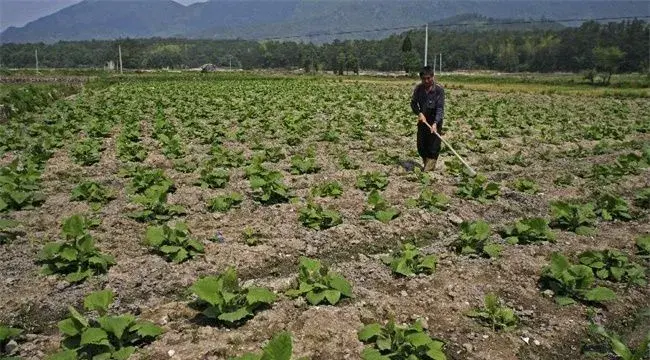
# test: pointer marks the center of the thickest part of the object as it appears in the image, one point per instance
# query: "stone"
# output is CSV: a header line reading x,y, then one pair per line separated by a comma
x,y
12,347
455,219
468,347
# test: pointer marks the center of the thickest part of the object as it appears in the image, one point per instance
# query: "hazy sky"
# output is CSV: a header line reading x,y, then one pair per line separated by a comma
x,y
20,12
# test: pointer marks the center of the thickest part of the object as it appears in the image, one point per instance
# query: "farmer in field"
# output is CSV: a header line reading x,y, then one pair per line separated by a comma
x,y
428,103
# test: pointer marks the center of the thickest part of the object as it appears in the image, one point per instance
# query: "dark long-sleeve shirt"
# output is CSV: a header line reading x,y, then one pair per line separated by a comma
x,y
431,104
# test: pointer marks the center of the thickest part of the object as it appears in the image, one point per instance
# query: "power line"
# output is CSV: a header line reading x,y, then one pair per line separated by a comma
x,y
310,35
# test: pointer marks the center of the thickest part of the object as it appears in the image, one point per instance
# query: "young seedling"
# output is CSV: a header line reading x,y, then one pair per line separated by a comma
x,y
616,346
400,342
478,188
7,230
570,282
528,231
328,189
527,186
221,298
573,217
278,348
317,284
175,244
473,240
223,203
370,181
643,246
94,193
495,315
610,207
76,257
408,261
379,209
213,178
103,337
315,217
613,265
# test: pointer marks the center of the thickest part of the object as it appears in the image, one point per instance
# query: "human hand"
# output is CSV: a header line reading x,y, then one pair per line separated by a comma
x,y
434,128
422,118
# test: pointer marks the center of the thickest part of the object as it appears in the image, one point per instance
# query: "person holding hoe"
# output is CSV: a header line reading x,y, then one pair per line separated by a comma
x,y
428,103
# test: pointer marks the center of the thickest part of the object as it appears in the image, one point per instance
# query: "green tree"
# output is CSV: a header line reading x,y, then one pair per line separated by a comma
x,y
406,45
608,60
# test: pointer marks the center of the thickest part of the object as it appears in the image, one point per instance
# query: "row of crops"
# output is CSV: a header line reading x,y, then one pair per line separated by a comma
x,y
192,171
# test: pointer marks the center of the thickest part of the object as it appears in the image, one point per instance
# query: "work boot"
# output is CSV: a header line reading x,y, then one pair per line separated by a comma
x,y
430,164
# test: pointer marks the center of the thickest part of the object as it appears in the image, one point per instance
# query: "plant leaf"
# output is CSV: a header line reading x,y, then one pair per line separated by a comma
x,y
278,348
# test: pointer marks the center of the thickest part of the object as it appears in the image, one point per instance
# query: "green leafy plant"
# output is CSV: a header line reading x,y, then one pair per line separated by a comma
x,y
184,166
19,186
105,337
474,239
432,201
223,203
155,206
623,165
518,159
642,198
385,157
76,257
477,188
86,152
213,178
617,347
454,167
573,217
347,163
303,164
7,230
94,193
379,209
528,231
613,265
274,154
643,246
400,342
224,157
370,181
408,261
495,315
251,236
175,243
269,188
571,282
278,348
330,188
144,179
527,186
610,207
171,145
317,284
128,150
315,217
221,298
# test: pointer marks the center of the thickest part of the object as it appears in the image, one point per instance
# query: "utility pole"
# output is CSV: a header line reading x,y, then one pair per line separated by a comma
x,y
119,50
440,65
36,55
426,42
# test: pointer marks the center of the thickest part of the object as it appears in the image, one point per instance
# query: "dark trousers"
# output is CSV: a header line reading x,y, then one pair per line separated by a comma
x,y
428,143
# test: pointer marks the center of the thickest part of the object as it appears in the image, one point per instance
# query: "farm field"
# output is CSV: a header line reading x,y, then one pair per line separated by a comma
x,y
157,182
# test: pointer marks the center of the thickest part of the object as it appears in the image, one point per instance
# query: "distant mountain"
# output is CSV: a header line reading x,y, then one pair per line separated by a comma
x,y
318,20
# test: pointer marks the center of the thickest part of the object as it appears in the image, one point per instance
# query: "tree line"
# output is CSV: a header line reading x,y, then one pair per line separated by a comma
x,y
610,48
